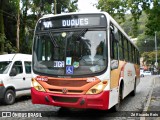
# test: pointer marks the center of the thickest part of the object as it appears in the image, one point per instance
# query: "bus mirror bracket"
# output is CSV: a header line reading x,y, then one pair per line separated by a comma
x,y
114,64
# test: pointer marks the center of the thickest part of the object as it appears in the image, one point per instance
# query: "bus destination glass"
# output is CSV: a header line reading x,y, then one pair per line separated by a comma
x,y
72,21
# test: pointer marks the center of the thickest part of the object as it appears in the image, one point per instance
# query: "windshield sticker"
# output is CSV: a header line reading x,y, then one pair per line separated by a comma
x,y
69,69
76,64
58,63
64,34
68,60
42,78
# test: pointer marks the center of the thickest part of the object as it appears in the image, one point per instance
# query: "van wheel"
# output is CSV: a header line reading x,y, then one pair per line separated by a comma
x,y
116,108
9,97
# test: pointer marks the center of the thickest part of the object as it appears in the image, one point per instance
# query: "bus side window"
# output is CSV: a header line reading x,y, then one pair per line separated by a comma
x,y
114,39
114,42
121,47
125,49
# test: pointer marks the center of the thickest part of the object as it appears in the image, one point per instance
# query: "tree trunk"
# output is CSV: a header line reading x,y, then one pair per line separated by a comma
x,y
18,24
58,7
55,7
2,34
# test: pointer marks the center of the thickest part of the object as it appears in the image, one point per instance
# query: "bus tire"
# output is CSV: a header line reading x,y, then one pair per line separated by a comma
x,y
133,93
116,107
9,97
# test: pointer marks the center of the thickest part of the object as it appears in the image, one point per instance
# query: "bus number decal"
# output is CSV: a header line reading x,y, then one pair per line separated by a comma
x,y
90,79
58,63
48,24
42,78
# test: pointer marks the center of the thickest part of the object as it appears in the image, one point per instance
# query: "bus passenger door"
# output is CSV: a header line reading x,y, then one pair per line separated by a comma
x,y
115,70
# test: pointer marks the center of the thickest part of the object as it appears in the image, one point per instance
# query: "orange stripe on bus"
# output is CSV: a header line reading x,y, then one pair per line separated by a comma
x,y
73,85
116,74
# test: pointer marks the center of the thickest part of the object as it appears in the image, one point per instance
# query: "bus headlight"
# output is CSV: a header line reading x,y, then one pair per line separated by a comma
x,y
97,88
37,86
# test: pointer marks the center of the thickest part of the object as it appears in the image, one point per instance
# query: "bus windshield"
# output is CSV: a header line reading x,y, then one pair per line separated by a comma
x,y
77,52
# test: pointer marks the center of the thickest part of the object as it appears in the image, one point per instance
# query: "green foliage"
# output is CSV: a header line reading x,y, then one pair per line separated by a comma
x,y
149,57
135,7
30,12
2,38
9,47
153,18
113,7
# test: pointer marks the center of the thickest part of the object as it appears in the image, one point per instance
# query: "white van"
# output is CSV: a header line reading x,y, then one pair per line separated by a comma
x,y
15,76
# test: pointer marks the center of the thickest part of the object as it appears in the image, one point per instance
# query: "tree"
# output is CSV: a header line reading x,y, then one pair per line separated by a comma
x,y
113,7
2,33
17,2
121,7
153,18
27,24
149,57
17,26
47,6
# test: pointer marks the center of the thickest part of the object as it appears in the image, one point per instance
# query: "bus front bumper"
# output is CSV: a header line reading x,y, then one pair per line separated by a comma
x,y
98,101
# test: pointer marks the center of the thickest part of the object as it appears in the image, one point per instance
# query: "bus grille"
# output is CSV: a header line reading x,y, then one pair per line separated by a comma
x,y
67,83
69,91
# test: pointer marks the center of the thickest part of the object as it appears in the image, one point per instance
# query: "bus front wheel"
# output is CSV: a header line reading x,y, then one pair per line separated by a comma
x,y
116,108
133,93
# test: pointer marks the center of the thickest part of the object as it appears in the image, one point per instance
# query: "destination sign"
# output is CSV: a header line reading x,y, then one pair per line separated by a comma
x,y
75,22
72,21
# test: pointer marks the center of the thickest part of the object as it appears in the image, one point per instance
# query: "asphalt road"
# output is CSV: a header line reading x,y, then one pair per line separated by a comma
x,y
24,109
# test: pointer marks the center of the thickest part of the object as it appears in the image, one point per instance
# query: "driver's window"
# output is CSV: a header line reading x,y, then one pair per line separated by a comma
x,y
18,66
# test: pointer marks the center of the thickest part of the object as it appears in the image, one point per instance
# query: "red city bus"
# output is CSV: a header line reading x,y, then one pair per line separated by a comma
x,y
83,60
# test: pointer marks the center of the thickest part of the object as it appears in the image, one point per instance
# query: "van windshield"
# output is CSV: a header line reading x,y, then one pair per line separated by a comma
x,y
4,66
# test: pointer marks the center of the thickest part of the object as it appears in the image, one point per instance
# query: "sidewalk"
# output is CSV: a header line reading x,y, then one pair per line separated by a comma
x,y
155,97
153,103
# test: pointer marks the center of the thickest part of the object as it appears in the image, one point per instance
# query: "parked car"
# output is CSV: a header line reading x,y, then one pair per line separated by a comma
x,y
15,76
145,73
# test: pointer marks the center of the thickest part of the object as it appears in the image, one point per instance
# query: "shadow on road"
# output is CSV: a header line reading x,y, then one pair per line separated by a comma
x,y
84,114
18,99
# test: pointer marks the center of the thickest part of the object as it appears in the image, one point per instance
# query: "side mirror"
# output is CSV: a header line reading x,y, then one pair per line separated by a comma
x,y
13,72
114,64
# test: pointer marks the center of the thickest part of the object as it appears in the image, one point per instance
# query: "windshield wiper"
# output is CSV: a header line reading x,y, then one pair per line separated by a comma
x,y
81,33
53,40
